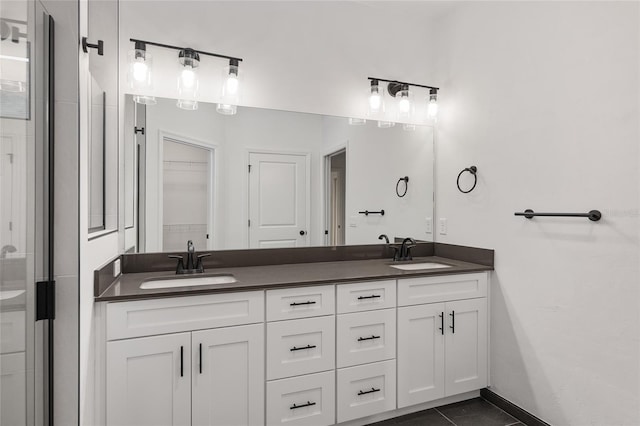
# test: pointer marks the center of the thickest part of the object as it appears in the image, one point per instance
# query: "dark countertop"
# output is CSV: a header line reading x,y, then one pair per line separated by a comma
x,y
127,286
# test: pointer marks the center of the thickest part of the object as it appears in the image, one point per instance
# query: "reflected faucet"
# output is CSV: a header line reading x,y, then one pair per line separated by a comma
x,y
6,249
384,237
194,262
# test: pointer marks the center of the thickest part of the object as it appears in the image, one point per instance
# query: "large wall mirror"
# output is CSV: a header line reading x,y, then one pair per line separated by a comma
x,y
268,179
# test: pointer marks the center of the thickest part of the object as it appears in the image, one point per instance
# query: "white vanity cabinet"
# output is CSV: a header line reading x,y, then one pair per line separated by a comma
x,y
442,347
212,376
307,355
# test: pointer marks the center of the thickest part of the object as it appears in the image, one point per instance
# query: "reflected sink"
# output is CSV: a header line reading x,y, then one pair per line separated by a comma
x,y
420,266
187,282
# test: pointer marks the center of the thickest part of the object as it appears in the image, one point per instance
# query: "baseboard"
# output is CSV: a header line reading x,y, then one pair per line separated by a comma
x,y
509,407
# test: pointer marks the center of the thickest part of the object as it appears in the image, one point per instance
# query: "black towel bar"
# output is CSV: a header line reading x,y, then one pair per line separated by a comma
x,y
593,215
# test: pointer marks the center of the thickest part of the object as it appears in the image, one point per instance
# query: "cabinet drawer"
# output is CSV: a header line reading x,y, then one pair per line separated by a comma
x,y
309,301
366,390
415,291
300,347
366,296
304,400
176,314
366,337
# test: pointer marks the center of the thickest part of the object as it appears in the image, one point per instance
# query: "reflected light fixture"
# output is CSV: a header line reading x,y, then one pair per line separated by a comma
x,y
432,105
357,121
408,127
188,79
139,74
386,124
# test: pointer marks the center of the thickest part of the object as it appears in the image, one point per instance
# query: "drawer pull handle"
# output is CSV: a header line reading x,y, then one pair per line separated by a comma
x,y
453,321
362,339
200,358
373,296
308,404
369,391
441,323
302,348
309,302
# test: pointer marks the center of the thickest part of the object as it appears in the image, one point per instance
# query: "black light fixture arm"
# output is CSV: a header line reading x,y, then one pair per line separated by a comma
x,y
201,52
404,83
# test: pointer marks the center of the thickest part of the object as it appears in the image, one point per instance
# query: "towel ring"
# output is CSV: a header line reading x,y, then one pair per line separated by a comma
x,y
406,186
473,170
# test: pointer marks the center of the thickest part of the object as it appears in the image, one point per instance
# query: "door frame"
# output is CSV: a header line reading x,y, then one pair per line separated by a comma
x,y
326,187
213,182
247,185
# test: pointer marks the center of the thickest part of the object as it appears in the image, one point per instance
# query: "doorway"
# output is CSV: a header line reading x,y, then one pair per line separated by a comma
x,y
335,197
187,194
279,200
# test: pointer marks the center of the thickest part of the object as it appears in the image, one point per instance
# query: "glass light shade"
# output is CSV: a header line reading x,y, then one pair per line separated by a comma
x,y
230,91
188,88
432,108
188,104
409,127
405,104
386,124
227,109
146,100
357,121
375,100
139,73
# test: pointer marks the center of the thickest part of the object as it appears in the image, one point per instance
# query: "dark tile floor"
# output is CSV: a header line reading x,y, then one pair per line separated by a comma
x,y
474,412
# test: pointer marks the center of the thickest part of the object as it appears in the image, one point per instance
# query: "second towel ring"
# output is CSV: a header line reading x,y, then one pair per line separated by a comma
x,y
473,170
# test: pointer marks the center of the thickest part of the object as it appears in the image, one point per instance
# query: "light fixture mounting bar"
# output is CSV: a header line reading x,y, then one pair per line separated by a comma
x,y
403,82
201,52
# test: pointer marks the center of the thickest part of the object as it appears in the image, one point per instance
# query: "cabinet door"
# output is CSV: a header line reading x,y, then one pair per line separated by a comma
x,y
466,345
228,376
421,336
149,381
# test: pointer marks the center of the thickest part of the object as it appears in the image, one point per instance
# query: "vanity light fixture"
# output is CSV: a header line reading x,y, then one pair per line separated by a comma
x,y
405,105
188,84
139,74
188,79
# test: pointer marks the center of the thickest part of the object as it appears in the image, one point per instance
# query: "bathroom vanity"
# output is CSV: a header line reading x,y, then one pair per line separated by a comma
x,y
317,343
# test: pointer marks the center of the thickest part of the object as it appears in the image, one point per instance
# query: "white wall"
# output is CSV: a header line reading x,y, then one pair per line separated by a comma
x,y
543,98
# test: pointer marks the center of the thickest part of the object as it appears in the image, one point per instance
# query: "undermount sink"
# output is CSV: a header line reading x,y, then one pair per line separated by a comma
x,y
187,282
420,266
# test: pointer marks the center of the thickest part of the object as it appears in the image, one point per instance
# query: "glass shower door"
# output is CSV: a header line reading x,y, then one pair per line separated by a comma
x,y
24,145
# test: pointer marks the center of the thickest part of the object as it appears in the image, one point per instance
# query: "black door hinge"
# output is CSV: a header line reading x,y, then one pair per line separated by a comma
x,y
45,300
137,130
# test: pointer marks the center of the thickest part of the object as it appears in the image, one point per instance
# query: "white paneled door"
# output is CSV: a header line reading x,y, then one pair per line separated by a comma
x,y
278,200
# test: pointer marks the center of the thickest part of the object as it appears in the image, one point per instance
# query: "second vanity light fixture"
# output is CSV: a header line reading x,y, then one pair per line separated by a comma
x,y
140,78
405,104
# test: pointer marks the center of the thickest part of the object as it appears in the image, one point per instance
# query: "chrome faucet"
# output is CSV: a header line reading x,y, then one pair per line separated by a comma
x,y
194,262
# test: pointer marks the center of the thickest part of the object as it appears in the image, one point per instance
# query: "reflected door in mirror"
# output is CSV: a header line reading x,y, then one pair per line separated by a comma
x,y
279,197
